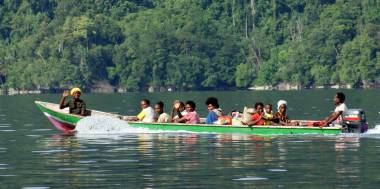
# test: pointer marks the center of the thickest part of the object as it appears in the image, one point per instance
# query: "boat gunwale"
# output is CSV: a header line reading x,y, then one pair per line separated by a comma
x,y
53,107
237,126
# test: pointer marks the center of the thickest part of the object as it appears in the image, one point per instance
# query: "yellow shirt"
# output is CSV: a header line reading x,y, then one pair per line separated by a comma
x,y
146,115
268,119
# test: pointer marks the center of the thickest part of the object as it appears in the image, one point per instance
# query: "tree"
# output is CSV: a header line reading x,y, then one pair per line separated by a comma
x,y
136,44
244,75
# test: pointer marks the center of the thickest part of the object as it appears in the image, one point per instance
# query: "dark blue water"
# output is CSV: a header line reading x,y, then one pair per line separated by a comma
x,y
34,155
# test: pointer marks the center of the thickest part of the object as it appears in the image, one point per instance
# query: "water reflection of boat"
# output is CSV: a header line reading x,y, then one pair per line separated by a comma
x,y
66,122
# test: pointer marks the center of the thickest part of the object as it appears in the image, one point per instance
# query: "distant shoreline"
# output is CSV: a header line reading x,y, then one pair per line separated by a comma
x,y
12,92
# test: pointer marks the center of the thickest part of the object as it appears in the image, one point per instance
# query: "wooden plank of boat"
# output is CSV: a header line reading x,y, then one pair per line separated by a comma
x,y
66,122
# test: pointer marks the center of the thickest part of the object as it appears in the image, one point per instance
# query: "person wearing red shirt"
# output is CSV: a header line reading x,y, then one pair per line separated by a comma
x,y
257,118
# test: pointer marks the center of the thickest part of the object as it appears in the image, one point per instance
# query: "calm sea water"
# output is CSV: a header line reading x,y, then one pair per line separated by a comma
x,y
34,155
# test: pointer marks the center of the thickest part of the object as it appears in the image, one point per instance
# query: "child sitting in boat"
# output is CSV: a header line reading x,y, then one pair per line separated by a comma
x,y
257,117
161,116
76,105
214,112
191,116
268,114
146,115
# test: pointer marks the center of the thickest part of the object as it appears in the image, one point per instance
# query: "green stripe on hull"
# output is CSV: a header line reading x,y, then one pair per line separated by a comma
x,y
60,116
257,130
232,129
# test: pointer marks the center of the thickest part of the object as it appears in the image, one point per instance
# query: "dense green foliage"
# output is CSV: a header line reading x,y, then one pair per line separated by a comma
x,y
203,44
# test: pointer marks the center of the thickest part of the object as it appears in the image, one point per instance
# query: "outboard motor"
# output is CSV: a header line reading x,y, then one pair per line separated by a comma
x,y
354,121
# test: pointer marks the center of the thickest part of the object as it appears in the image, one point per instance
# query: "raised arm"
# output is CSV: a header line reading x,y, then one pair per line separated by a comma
x,y
62,103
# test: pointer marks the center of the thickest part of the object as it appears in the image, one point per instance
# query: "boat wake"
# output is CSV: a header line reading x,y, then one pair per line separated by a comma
x,y
375,130
106,125
372,133
92,125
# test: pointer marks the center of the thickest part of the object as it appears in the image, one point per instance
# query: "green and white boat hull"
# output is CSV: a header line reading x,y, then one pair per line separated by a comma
x,y
66,122
257,130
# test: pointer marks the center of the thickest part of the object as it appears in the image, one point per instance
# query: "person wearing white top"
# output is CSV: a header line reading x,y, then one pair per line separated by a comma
x,y
161,116
340,107
147,113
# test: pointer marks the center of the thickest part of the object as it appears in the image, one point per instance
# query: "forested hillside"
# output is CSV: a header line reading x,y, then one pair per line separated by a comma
x,y
188,44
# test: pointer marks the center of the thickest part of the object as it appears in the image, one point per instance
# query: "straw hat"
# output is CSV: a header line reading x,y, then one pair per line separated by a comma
x,y
75,90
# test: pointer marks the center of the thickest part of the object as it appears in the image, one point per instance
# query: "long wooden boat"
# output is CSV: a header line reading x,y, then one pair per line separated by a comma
x,y
66,122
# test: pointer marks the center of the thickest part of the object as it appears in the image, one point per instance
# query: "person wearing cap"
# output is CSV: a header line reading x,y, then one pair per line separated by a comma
x,y
76,105
281,117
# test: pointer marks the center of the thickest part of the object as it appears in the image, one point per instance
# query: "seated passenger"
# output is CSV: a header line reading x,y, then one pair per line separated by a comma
x,y
76,105
191,116
280,117
213,109
147,113
161,116
268,115
178,110
257,117
340,107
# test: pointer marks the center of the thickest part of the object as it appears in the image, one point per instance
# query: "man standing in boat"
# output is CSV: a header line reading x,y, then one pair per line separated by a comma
x,y
76,105
340,107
